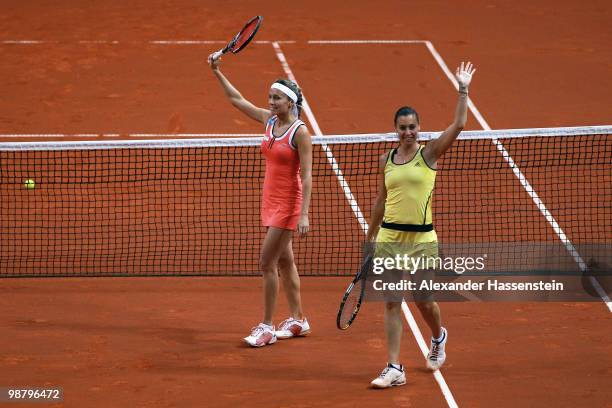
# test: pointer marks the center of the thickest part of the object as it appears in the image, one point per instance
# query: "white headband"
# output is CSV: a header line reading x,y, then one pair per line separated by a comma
x,y
286,90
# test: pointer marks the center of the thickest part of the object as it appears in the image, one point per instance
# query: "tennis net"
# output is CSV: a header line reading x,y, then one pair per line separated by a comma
x,y
191,207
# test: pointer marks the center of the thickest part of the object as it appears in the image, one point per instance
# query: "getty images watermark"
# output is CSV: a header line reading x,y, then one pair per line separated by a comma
x,y
489,271
412,264
457,265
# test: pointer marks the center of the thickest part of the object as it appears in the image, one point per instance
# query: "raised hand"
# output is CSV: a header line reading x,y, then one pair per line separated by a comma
x,y
464,74
214,63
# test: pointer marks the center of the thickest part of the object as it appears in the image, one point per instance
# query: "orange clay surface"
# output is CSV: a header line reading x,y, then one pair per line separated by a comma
x,y
176,342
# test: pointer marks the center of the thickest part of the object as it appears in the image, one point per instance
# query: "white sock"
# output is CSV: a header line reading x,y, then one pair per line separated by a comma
x,y
441,338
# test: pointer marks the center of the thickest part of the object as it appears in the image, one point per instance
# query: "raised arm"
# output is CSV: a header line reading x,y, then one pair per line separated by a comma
x,y
378,211
304,145
437,147
235,97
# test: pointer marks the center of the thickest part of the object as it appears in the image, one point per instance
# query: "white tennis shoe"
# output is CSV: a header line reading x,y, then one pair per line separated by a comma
x,y
261,335
292,328
390,377
437,352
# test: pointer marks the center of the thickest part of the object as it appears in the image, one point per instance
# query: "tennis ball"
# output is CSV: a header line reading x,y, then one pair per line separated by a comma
x,y
29,184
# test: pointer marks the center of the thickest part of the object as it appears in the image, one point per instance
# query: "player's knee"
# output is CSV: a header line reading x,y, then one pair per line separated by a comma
x,y
266,265
425,306
393,306
285,263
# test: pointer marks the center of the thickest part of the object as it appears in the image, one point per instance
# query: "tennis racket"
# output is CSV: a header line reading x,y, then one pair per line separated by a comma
x,y
351,301
240,40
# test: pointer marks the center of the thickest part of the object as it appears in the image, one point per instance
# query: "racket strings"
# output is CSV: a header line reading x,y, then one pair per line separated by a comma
x,y
351,304
246,34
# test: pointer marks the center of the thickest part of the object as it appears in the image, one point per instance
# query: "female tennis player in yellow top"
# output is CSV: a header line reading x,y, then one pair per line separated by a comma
x,y
402,215
287,148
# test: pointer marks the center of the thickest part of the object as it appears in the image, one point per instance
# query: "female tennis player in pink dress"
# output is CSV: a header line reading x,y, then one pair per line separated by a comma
x,y
287,148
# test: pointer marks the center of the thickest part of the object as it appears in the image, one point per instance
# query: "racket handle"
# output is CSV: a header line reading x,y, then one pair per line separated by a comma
x,y
216,55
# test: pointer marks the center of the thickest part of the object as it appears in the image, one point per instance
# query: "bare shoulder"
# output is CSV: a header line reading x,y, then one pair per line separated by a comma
x,y
302,136
266,115
382,160
302,131
428,154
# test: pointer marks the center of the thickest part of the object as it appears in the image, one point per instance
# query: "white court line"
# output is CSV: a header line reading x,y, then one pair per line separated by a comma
x,y
26,42
524,182
328,153
277,42
186,42
98,42
136,135
425,350
418,335
196,42
366,42
159,42
359,215
451,78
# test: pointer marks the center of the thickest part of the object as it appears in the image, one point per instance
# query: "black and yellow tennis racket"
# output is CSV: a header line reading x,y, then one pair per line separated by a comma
x,y
351,301
240,40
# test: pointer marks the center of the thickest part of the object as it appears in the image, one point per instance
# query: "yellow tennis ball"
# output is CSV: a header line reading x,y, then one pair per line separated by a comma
x,y
29,184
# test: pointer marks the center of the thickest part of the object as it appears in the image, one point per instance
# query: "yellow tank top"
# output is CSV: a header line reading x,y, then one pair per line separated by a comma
x,y
409,190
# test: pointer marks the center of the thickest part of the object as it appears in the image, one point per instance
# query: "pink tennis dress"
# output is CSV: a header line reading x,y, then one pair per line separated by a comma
x,y
282,189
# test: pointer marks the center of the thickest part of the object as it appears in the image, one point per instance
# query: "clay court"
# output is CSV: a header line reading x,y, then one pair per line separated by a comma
x,y
132,71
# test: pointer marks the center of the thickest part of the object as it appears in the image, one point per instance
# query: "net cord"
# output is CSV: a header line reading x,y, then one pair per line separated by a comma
x,y
317,140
